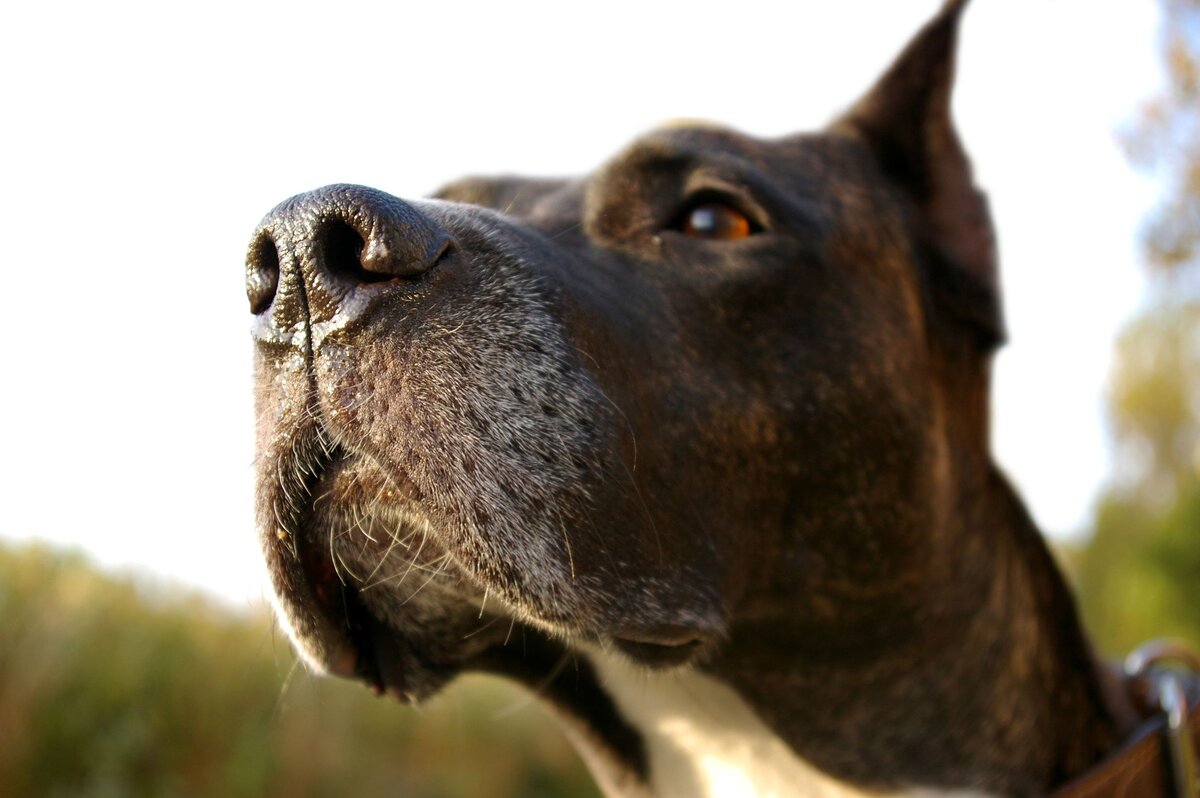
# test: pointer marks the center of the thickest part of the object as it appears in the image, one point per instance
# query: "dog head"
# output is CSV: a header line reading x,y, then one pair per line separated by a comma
x,y
720,394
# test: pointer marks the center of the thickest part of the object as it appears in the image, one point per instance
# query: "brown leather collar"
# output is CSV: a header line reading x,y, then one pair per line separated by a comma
x,y
1139,769
1159,760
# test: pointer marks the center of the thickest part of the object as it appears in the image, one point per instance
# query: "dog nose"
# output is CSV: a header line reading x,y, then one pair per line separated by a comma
x,y
322,245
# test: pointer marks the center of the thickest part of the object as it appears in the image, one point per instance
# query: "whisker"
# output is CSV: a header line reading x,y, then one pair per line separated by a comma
x,y
511,625
437,572
488,625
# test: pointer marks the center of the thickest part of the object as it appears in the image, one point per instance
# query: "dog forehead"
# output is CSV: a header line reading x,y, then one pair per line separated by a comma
x,y
683,144
816,167
821,166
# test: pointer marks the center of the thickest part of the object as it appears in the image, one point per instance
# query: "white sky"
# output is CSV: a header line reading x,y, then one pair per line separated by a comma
x,y
142,142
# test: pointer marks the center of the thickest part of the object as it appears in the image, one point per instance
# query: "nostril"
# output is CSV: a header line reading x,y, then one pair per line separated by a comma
x,y
262,273
318,247
343,254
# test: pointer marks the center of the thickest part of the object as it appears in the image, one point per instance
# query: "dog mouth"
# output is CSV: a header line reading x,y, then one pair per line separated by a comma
x,y
369,590
361,582
373,655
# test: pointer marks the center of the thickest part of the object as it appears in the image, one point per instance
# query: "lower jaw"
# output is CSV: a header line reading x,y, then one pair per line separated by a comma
x,y
411,665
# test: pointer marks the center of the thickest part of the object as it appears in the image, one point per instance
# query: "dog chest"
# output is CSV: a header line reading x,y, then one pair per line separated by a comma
x,y
704,741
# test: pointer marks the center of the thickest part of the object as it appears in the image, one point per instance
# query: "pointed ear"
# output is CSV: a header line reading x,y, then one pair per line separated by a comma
x,y
905,120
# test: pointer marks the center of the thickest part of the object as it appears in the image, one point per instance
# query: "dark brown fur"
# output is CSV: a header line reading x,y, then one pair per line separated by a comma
x,y
486,433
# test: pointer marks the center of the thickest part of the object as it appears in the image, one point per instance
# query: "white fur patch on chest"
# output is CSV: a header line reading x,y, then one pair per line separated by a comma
x,y
704,741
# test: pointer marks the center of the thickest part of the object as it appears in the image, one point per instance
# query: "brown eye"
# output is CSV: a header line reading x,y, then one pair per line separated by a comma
x,y
716,220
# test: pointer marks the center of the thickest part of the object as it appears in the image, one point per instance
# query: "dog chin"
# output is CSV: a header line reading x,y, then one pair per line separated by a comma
x,y
369,589
363,585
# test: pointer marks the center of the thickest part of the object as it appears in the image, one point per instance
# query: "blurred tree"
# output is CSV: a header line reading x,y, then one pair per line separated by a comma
x,y
112,687
1140,573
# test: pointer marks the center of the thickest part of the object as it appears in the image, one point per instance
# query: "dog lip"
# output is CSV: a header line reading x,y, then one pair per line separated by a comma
x,y
658,655
380,662
374,657
335,599
658,647
356,642
370,652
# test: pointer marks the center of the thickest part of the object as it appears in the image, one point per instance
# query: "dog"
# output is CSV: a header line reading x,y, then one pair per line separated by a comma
x,y
695,446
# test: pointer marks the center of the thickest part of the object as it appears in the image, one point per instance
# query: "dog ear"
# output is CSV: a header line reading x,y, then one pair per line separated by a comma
x,y
905,120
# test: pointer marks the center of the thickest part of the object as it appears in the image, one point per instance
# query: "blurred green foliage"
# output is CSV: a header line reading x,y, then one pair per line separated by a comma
x,y
111,687
1139,574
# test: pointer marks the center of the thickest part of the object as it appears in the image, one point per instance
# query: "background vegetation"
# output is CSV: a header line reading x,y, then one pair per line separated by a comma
x,y
1139,574
110,687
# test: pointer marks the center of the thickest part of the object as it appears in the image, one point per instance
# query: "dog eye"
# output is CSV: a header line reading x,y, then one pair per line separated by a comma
x,y
716,221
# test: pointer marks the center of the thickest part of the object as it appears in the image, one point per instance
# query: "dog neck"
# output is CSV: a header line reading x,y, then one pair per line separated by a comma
x,y
992,689
703,741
